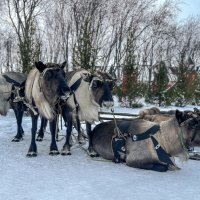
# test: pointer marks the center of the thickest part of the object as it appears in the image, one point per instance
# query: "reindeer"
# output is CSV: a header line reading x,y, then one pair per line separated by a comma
x,y
144,144
93,92
90,91
11,96
45,88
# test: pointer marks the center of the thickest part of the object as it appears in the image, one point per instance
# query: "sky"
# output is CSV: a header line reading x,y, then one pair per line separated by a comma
x,y
189,8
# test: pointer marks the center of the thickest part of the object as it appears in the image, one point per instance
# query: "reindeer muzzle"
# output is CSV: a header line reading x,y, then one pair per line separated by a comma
x,y
108,104
65,96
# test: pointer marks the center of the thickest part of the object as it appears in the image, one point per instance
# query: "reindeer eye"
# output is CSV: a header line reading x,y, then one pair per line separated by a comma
x,y
111,84
49,74
97,83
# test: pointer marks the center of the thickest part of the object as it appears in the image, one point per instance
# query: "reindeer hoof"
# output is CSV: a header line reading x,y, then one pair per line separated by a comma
x,y
92,153
81,140
66,153
54,153
39,139
15,139
31,154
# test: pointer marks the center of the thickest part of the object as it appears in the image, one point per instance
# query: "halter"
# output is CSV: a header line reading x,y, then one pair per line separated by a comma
x,y
95,79
98,78
46,69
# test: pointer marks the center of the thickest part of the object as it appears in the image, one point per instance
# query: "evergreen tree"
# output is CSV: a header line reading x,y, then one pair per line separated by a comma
x,y
187,83
160,82
130,86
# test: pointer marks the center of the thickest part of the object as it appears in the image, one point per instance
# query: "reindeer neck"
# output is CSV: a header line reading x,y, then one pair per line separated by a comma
x,y
170,139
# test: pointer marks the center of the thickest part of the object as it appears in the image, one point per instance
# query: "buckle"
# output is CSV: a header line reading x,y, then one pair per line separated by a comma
x,y
134,137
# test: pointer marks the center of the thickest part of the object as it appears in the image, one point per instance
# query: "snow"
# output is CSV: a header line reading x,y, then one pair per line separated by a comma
x,y
80,177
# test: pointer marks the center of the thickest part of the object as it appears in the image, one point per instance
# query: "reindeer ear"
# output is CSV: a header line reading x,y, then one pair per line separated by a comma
x,y
40,66
63,64
179,116
196,110
86,77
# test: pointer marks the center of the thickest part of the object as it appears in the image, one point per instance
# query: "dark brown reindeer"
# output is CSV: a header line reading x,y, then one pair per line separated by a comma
x,y
11,96
45,87
144,144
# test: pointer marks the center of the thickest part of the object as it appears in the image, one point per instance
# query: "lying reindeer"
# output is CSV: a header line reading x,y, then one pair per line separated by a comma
x,y
144,144
159,116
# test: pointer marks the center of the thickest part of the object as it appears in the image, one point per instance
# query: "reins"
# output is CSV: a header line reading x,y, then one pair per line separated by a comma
x,y
117,131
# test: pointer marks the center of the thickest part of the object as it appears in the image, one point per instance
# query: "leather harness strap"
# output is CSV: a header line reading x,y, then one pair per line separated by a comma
x,y
118,145
75,85
17,90
161,153
10,80
147,134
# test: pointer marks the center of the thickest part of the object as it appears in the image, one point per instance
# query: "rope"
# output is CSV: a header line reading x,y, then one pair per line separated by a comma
x,y
116,130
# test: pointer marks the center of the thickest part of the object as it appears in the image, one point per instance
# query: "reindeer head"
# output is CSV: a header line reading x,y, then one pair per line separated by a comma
x,y
52,81
101,85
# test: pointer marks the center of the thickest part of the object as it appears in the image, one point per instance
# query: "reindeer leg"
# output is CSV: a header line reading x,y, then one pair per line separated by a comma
x,y
42,129
81,139
67,116
159,167
32,152
90,150
18,110
53,147
155,167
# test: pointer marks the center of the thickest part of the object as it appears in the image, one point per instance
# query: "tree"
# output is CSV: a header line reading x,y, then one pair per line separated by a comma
x,y
160,82
23,14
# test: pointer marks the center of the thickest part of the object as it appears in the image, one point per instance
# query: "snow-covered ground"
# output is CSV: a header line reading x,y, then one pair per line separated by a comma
x,y
78,177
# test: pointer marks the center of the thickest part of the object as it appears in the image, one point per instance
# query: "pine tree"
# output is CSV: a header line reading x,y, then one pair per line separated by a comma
x,y
160,82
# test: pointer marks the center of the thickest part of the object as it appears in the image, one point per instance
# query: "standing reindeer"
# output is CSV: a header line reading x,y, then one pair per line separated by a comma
x,y
45,88
90,91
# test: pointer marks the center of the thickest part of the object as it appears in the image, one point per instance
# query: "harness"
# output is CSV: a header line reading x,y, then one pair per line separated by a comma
x,y
73,88
118,144
163,156
17,89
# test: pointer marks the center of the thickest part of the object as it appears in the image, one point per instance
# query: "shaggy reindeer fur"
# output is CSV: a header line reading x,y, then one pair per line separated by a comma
x,y
149,111
157,118
34,94
141,154
88,107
